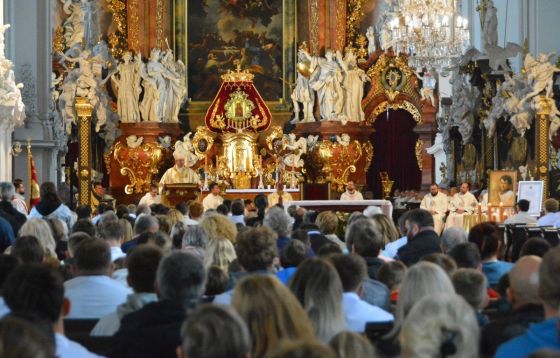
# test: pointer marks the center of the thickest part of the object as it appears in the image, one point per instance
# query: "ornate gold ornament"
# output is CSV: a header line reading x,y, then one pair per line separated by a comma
x,y
160,37
241,156
418,149
139,164
362,53
407,106
59,43
469,156
238,108
353,19
203,140
118,39
84,110
368,149
543,113
340,24
275,135
386,184
133,12
314,26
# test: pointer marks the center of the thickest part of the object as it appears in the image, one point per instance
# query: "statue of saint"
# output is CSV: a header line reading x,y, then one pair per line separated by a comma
x,y
128,88
327,81
303,93
490,26
354,79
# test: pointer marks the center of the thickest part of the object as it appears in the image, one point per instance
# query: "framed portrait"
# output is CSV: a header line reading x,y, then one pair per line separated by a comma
x,y
532,191
501,188
213,36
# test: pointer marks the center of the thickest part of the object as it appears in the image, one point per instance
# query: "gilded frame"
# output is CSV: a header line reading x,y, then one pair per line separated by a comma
x,y
289,31
500,189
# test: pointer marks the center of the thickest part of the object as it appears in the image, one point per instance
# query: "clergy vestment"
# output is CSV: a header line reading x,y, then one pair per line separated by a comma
x,y
355,196
212,201
437,204
176,175
467,202
148,199
274,199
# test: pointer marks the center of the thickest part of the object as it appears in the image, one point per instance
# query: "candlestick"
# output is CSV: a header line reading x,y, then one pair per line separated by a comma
x,y
479,213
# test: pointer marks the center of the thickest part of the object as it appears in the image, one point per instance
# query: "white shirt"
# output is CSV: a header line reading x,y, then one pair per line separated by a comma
x,y
437,203
392,248
357,313
521,217
347,196
148,199
549,219
237,219
212,201
190,222
94,296
19,203
116,253
66,348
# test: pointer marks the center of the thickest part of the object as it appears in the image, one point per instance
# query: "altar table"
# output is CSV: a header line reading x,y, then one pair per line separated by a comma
x,y
345,205
251,193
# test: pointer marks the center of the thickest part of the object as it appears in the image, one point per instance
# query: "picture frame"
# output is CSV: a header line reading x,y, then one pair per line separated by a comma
x,y
210,37
501,187
532,191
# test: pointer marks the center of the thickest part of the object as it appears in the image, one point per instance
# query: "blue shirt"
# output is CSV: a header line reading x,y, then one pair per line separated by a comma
x,y
392,248
285,274
549,219
494,270
7,236
538,336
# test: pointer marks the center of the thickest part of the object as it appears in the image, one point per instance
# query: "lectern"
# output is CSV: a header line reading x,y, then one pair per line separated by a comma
x,y
172,194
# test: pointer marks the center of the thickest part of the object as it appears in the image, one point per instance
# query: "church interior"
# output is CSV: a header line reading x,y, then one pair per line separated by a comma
x,y
382,107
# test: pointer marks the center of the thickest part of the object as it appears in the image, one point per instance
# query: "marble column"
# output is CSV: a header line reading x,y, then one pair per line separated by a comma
x,y
6,130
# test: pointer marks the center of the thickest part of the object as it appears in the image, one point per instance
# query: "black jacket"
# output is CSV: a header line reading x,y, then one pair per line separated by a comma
x,y
515,324
14,217
424,243
373,265
152,331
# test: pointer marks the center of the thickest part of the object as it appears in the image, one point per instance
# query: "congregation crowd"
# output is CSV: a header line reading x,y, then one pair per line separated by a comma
x,y
250,279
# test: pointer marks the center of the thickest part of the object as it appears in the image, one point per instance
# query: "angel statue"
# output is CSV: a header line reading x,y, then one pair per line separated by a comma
x,y
187,148
127,80
490,26
353,85
82,25
428,86
370,34
540,74
327,81
297,148
303,93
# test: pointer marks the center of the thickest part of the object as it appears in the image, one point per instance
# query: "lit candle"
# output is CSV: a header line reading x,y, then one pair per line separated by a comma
x,y
501,211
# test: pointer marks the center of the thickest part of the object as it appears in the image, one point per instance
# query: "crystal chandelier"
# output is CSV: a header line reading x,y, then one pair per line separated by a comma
x,y
429,31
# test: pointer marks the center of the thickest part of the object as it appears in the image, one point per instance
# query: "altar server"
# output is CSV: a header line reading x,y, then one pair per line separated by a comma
x,y
151,197
351,193
436,203
213,199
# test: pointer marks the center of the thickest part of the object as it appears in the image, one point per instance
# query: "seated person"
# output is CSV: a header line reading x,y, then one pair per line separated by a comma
x,y
522,216
92,292
213,199
462,203
487,237
351,193
471,285
151,197
422,239
352,271
436,203
551,215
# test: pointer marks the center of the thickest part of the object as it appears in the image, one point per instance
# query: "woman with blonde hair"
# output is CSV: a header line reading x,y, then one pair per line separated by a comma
x,y
127,230
351,345
327,221
440,325
271,312
421,280
174,216
317,286
219,227
42,231
387,228
219,252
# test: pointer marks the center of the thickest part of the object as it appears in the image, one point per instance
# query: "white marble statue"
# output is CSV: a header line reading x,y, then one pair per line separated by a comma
x,y
462,107
523,171
303,93
540,75
3,29
370,34
490,26
175,89
498,56
82,25
165,141
343,139
353,85
127,80
496,112
187,148
429,83
297,148
133,141
312,141
327,81
11,103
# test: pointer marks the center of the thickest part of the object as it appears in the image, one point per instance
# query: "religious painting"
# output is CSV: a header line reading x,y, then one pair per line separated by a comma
x,y
220,34
501,187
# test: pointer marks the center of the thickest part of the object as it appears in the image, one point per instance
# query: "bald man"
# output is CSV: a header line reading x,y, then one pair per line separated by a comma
x,y
527,308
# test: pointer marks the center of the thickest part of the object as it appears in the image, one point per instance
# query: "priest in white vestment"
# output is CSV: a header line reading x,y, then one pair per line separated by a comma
x,y
213,199
436,203
351,193
151,197
463,203
179,173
